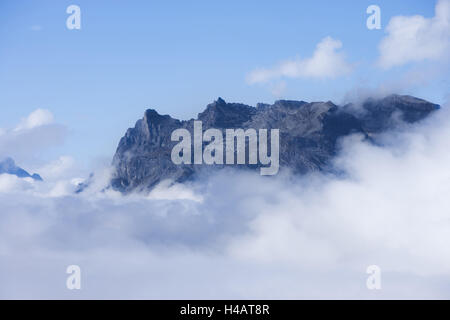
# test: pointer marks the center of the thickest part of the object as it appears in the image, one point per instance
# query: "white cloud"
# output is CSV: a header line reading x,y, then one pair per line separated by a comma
x,y
166,190
416,38
326,62
37,118
58,169
11,183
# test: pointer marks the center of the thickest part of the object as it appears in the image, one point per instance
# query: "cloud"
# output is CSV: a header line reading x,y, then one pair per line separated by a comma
x,y
327,62
11,183
57,169
311,236
33,134
416,38
168,191
37,118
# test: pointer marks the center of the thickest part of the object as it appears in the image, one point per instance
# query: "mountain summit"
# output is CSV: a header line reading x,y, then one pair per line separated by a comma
x,y
308,134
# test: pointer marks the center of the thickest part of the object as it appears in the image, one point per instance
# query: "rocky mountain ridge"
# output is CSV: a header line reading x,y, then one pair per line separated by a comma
x,y
309,133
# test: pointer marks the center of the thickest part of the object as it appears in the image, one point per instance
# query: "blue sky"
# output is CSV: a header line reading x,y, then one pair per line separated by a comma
x,y
178,56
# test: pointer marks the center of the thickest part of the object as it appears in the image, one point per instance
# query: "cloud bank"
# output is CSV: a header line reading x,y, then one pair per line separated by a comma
x,y
240,235
416,38
326,62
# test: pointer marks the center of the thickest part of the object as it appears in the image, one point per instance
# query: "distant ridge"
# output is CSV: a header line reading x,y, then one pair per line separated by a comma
x,y
8,166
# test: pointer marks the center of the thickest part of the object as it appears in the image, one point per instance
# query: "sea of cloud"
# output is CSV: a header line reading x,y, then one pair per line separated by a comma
x,y
237,235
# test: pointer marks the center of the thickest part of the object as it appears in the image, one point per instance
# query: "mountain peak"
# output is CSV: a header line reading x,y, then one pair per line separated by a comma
x,y
222,114
406,99
220,101
152,116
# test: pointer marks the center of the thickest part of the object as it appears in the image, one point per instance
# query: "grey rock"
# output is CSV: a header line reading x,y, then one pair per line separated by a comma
x,y
309,134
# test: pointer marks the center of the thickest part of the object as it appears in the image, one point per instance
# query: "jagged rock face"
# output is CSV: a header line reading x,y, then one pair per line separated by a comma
x,y
308,135
8,166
